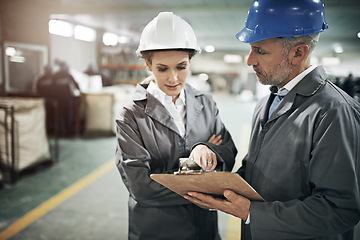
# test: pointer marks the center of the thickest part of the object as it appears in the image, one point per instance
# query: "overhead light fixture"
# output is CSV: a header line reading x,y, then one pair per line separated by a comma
x,y
203,77
17,59
232,58
110,39
338,48
84,33
61,28
10,51
209,48
14,55
358,35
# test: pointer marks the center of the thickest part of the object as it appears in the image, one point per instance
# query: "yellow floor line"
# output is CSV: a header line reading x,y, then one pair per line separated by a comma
x,y
234,223
234,228
242,145
55,201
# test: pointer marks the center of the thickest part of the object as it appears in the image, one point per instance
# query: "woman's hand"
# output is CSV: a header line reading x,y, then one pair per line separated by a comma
x,y
204,157
215,140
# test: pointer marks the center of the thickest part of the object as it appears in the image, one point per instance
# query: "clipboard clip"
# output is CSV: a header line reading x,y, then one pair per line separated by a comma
x,y
188,166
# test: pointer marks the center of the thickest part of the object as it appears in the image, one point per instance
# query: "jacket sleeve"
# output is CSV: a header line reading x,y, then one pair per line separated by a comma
x,y
334,204
133,162
225,153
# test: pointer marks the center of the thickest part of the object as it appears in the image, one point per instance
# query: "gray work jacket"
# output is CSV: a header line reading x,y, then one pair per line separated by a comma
x,y
304,161
148,141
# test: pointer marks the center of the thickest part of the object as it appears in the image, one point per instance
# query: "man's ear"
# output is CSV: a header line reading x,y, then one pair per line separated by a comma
x,y
298,54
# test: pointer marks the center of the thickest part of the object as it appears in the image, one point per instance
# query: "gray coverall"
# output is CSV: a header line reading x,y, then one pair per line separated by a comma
x,y
149,142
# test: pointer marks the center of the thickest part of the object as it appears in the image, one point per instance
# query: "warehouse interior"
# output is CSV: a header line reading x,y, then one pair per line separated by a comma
x,y
58,178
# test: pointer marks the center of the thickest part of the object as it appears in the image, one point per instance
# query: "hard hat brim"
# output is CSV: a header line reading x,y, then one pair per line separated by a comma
x,y
247,35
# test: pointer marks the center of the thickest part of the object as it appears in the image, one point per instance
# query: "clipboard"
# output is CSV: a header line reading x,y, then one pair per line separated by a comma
x,y
212,183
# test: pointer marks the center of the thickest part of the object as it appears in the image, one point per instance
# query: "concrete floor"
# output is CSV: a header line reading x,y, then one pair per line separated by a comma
x,y
36,207
83,197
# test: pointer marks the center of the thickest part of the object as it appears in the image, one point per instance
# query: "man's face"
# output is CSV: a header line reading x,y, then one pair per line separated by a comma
x,y
269,62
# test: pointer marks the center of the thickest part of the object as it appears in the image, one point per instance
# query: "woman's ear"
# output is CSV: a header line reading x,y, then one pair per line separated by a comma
x,y
148,65
298,54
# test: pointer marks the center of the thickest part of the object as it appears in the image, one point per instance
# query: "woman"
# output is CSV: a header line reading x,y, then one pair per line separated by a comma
x,y
164,121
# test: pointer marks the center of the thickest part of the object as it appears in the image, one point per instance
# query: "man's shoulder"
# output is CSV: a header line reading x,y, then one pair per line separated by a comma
x,y
335,96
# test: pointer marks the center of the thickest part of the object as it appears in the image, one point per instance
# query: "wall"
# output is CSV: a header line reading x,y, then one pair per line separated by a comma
x,y
349,63
77,54
26,22
206,62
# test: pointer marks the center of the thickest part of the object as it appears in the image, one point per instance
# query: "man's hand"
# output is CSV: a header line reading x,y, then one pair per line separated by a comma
x,y
234,204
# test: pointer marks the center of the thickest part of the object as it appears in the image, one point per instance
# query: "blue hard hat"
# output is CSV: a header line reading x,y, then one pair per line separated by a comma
x,y
283,18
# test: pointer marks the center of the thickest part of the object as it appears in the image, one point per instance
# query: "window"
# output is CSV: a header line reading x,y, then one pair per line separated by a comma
x,y
61,28
84,33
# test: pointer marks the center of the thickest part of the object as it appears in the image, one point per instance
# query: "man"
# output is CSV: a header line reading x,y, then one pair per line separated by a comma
x,y
303,157
349,85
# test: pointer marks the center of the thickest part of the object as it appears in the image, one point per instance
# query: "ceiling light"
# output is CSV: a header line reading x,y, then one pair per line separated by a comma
x,y
338,48
10,51
358,35
232,58
209,48
84,33
203,77
17,59
60,28
110,39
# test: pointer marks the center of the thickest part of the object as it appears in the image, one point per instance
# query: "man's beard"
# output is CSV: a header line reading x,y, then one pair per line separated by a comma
x,y
277,76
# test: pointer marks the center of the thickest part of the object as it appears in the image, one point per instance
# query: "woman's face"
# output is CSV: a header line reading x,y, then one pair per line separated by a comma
x,y
170,69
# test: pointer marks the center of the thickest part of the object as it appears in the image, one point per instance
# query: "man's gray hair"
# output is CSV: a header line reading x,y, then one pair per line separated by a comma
x,y
310,40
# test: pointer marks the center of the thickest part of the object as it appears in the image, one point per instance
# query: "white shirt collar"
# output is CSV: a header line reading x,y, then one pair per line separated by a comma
x,y
177,110
162,97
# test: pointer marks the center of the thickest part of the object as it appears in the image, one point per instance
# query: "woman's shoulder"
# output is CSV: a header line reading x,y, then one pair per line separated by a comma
x,y
135,101
200,97
196,92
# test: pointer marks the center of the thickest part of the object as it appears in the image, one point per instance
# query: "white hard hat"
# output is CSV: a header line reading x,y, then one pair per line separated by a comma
x,y
167,31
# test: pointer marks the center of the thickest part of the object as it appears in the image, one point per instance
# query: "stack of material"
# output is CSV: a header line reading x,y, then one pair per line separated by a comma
x,y
23,139
103,106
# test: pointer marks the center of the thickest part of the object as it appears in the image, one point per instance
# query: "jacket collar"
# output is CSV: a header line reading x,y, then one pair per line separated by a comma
x,y
308,86
193,107
311,83
154,109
